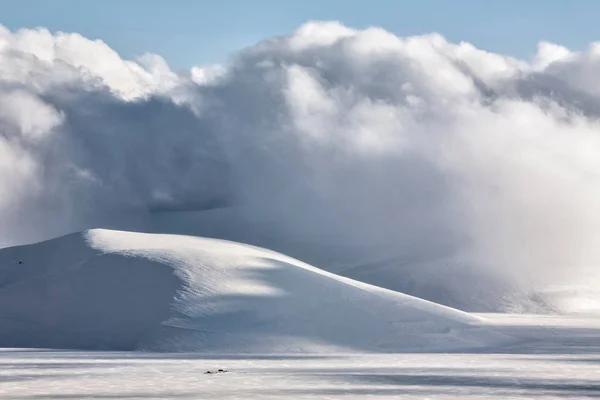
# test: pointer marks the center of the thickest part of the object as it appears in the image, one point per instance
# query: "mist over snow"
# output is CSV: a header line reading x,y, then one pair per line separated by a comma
x,y
459,175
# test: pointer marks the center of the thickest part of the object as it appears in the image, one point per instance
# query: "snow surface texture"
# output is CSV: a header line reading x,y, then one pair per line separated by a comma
x,y
76,375
437,169
118,290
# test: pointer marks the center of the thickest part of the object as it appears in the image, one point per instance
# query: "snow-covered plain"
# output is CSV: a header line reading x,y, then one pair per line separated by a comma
x,y
30,374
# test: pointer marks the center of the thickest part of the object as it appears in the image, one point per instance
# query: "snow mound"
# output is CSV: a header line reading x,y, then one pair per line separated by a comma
x,y
127,290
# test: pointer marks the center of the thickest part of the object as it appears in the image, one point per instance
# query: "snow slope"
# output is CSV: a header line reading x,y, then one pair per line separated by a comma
x,y
422,268
127,290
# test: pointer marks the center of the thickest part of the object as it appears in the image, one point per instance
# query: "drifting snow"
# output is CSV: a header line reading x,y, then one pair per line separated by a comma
x,y
116,289
30,374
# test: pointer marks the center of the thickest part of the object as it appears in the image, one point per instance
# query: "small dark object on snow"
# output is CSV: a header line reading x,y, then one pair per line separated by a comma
x,y
20,262
219,371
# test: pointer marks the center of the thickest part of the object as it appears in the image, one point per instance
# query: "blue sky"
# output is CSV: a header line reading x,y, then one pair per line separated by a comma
x,y
192,32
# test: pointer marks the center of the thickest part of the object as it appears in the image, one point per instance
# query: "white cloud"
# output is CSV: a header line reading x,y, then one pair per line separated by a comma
x,y
550,53
29,56
28,114
415,148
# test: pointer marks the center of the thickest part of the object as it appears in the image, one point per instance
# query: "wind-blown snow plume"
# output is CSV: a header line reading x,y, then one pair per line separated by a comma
x,y
438,164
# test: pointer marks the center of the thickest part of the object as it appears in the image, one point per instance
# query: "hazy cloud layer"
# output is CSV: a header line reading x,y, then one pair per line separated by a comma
x,y
417,154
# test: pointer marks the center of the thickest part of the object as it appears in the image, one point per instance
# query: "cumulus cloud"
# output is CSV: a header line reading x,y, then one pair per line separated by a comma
x,y
426,166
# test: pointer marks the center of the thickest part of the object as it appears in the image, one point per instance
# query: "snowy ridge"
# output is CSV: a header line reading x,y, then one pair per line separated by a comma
x,y
229,297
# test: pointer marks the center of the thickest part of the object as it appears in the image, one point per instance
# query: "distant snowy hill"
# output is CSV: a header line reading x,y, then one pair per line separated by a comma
x,y
126,290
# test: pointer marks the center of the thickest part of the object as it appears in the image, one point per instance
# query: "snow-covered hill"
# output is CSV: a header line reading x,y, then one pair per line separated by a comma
x,y
126,290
